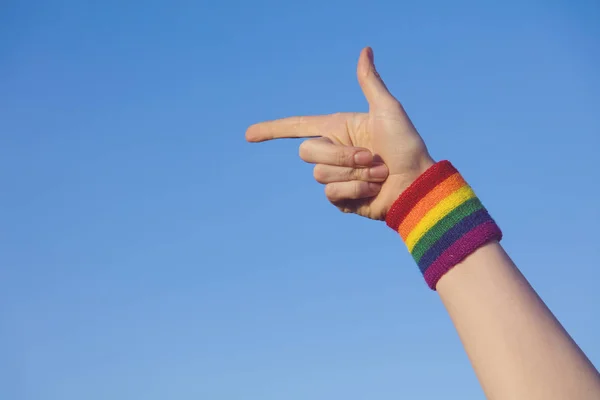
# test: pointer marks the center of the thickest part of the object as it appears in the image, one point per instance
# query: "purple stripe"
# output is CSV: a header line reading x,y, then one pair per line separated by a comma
x,y
460,249
456,232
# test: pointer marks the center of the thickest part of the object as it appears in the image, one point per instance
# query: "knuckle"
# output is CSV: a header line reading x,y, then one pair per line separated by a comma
x,y
343,157
358,174
351,174
357,190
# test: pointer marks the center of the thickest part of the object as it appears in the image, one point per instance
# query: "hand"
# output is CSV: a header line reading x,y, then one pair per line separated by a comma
x,y
351,147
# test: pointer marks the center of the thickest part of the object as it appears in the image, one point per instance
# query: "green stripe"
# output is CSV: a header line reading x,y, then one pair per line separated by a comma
x,y
443,225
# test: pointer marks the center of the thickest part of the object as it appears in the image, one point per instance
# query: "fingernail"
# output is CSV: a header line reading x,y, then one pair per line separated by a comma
x,y
379,171
363,158
370,55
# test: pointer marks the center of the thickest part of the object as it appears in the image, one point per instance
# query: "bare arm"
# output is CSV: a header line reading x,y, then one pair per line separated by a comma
x,y
516,346
369,162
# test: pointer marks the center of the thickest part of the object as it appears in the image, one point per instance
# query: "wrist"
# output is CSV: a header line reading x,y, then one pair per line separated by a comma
x,y
441,220
399,183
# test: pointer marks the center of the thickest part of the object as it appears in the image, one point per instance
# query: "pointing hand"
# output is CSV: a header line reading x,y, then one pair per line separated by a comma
x,y
365,160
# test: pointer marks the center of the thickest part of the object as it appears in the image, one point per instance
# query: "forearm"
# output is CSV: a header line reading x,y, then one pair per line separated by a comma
x,y
517,347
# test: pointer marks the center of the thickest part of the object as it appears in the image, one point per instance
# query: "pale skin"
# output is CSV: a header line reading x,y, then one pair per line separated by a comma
x,y
517,347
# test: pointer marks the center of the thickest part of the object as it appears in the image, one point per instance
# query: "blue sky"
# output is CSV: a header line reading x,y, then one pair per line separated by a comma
x,y
148,252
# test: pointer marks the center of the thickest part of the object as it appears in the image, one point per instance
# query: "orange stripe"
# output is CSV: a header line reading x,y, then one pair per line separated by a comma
x,y
437,194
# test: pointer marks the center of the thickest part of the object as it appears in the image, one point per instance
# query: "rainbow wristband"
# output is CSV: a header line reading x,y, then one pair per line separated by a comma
x,y
441,220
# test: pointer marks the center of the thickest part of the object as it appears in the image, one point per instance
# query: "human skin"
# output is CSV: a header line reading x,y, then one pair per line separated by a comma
x,y
516,346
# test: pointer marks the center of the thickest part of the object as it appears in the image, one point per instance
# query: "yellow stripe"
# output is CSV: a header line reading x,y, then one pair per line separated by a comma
x,y
438,212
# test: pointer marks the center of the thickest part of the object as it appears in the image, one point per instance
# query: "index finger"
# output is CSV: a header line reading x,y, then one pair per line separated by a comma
x,y
292,127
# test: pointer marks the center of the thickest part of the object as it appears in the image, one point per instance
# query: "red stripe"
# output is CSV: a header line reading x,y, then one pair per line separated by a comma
x,y
428,180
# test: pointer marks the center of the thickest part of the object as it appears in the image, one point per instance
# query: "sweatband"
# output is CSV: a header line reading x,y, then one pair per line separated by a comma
x,y
441,221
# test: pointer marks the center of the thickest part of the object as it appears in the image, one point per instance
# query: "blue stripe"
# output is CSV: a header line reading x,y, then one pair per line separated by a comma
x,y
456,232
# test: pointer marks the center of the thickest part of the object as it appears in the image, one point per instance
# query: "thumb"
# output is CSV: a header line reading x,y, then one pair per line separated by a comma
x,y
372,85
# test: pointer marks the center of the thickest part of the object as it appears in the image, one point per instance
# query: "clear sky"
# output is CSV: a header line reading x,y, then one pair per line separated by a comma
x,y
148,252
